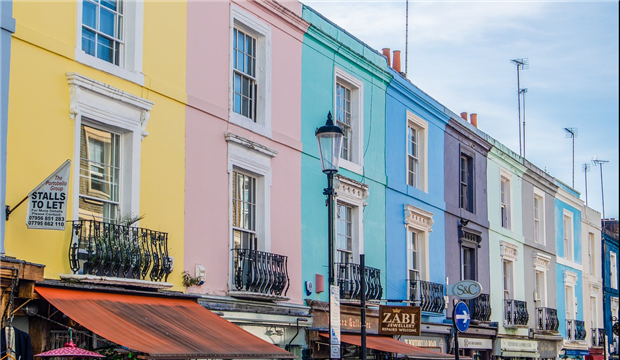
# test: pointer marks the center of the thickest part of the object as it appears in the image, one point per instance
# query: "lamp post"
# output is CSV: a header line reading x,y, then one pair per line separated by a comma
x,y
329,138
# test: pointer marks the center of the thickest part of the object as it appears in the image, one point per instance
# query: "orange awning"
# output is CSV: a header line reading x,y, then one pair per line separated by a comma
x,y
163,327
391,345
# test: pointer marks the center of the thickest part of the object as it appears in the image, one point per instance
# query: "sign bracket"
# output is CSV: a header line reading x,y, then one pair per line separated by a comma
x,y
8,209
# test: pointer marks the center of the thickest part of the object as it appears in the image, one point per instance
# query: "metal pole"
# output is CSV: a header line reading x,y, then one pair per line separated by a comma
x,y
524,91
519,105
573,136
456,331
602,193
363,304
406,34
585,170
330,240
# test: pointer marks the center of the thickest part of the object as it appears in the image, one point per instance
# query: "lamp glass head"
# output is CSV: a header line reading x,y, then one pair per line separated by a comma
x,y
329,138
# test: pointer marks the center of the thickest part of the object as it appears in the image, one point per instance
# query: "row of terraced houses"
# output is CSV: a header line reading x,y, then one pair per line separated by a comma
x,y
195,183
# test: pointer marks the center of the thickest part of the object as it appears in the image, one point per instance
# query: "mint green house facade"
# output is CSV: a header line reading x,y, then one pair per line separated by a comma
x,y
511,310
344,76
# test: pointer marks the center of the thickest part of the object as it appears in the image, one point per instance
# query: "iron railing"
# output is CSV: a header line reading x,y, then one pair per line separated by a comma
x,y
598,337
547,319
515,313
480,307
260,272
107,249
575,330
348,277
427,295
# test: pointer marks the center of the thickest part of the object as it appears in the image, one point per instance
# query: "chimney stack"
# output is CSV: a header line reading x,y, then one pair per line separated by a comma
x,y
464,116
474,119
396,64
386,52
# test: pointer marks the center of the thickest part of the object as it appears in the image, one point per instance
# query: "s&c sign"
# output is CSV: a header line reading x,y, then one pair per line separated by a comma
x,y
466,289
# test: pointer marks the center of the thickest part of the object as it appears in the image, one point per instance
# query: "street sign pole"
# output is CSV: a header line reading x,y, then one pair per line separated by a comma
x,y
456,331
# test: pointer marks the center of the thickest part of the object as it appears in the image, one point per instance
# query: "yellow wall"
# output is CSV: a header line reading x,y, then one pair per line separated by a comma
x,y
41,133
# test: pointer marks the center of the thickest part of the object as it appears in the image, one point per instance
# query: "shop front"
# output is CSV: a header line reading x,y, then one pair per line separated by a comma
x,y
476,348
379,345
513,349
129,324
549,349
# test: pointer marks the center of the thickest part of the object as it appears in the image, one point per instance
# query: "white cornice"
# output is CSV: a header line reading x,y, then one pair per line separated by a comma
x,y
230,137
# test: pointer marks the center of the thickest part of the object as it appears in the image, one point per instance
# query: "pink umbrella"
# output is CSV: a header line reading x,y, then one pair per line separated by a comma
x,y
70,350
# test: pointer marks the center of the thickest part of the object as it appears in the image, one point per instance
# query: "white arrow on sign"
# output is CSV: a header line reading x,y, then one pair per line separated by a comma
x,y
464,317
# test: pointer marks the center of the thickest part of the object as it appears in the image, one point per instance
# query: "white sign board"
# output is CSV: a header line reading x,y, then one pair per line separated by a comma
x,y
47,203
334,316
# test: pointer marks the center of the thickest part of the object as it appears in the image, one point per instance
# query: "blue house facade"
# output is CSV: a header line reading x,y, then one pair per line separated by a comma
x,y
569,278
7,28
344,76
415,232
611,264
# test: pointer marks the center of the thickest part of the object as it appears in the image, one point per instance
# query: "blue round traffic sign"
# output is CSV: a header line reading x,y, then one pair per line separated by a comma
x,y
460,316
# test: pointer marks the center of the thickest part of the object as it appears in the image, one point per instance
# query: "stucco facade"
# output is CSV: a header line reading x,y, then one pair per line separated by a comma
x,y
467,225
243,168
569,278
538,197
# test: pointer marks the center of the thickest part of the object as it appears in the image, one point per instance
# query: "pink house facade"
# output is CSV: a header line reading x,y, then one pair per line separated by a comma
x,y
243,165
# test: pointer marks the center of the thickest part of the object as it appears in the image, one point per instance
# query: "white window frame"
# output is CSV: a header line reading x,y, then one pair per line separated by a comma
x,y
591,253
541,266
99,105
506,177
421,126
593,312
352,220
570,282
356,164
254,159
509,253
353,194
542,236
255,27
613,269
131,56
569,254
419,222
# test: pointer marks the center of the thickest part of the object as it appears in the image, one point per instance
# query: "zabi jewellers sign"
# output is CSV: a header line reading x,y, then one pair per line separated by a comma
x,y
399,320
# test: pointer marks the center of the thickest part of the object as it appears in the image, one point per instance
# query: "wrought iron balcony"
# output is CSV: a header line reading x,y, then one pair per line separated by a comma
x,y
547,319
106,249
348,277
598,337
260,272
575,330
480,307
427,295
515,313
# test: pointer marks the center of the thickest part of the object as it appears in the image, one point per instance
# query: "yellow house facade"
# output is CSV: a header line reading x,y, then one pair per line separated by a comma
x,y
100,83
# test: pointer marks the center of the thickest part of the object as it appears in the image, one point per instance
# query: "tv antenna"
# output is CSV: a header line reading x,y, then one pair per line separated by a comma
x,y
522,64
600,163
572,133
586,168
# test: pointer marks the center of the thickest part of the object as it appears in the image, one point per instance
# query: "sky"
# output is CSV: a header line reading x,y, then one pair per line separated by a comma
x,y
459,54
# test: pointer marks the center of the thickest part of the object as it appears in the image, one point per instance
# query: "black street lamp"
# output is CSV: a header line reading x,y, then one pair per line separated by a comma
x,y
329,138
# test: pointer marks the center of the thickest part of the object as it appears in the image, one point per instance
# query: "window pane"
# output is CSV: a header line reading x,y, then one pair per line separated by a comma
x,y
110,4
106,22
88,41
104,49
89,14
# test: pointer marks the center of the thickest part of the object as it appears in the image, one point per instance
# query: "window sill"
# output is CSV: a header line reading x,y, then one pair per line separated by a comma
x,y
351,166
246,123
109,68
